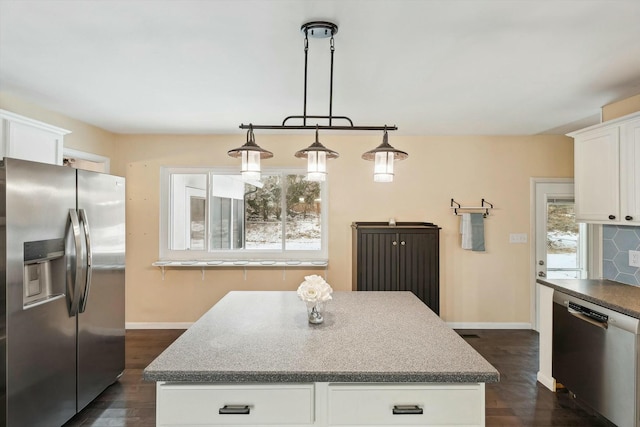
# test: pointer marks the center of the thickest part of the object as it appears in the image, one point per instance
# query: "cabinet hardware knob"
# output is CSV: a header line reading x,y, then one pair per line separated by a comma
x,y
612,217
407,410
403,243
541,274
628,218
395,243
234,410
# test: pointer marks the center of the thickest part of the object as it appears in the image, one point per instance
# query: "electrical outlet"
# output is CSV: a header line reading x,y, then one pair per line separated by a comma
x,y
634,258
518,238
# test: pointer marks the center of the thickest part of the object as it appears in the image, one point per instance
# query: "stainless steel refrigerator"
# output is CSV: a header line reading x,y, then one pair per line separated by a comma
x,y
62,238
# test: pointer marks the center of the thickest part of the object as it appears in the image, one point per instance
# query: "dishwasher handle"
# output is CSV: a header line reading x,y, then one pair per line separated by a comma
x,y
586,314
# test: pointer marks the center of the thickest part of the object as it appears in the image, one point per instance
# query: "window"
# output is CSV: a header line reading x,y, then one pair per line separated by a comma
x,y
566,241
211,213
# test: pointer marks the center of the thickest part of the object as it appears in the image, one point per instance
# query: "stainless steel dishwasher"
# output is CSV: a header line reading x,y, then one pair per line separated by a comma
x,y
595,356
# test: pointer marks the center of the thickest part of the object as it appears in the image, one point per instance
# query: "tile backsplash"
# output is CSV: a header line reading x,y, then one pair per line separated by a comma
x,y
617,241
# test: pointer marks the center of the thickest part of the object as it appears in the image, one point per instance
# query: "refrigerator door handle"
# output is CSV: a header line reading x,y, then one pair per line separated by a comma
x,y
87,235
74,267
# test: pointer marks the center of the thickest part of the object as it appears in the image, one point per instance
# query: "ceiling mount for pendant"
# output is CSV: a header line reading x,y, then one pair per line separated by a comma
x,y
319,29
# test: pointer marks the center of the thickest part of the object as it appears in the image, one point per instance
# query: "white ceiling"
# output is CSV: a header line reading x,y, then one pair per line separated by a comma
x,y
431,67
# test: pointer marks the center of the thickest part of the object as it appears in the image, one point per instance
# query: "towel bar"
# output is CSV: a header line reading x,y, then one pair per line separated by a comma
x,y
485,206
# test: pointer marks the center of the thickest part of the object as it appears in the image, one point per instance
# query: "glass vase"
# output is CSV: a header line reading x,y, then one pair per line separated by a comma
x,y
315,312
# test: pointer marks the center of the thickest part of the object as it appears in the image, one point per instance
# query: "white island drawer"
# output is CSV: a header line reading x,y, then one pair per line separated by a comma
x,y
182,404
373,404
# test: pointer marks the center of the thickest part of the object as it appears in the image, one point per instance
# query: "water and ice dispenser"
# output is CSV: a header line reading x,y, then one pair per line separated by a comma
x,y
43,271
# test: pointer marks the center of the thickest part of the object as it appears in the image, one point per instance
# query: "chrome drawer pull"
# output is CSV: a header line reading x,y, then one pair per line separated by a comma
x,y
234,410
407,410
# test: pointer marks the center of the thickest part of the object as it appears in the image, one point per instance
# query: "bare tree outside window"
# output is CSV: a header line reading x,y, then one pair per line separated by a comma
x,y
278,217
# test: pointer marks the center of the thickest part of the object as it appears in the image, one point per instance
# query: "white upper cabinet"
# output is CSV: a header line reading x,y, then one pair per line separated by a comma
x,y
28,139
630,181
607,172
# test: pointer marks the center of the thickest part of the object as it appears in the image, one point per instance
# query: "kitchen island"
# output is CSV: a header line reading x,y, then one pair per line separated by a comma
x,y
379,358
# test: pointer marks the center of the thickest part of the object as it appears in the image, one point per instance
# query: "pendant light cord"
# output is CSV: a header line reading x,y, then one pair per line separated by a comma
x,y
331,80
306,61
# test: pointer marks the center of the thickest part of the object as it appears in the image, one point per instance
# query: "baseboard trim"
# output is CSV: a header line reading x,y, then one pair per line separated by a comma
x,y
488,325
158,325
546,381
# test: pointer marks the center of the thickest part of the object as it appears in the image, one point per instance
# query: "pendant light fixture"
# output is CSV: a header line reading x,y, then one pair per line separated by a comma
x,y
250,153
317,154
383,156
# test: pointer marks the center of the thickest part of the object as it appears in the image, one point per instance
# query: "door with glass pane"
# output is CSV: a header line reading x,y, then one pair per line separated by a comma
x,y
561,243
566,241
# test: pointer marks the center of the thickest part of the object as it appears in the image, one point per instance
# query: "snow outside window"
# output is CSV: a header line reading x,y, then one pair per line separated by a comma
x,y
212,213
566,241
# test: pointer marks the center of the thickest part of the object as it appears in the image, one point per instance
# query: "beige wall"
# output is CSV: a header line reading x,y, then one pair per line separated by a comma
x,y
83,136
475,287
621,108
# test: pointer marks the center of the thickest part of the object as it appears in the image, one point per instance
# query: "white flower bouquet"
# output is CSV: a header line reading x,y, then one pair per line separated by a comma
x,y
314,291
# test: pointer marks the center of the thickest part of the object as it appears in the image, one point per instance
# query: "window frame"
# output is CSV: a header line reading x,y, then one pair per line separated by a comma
x,y
167,254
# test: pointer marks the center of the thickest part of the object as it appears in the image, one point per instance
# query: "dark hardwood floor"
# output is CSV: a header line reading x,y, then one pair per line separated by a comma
x,y
131,401
517,400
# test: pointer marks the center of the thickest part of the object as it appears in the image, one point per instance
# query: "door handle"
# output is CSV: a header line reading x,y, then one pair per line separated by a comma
x,y
234,410
87,235
407,410
542,274
74,266
587,319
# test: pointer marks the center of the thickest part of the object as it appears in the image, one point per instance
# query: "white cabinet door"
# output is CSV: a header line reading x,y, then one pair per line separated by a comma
x,y
31,143
28,139
193,404
365,405
597,171
630,173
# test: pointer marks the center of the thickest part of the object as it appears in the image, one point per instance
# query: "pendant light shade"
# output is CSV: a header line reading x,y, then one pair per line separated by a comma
x,y
317,155
383,156
250,153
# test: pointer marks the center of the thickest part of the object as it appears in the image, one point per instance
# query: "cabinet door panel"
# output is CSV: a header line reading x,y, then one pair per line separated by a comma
x,y
192,404
31,143
373,405
377,266
597,186
418,266
630,173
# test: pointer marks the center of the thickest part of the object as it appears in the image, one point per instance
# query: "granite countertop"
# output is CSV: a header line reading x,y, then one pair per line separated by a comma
x,y
616,296
365,337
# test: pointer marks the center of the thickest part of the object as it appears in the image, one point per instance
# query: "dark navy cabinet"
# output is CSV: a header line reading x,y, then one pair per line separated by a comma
x,y
404,257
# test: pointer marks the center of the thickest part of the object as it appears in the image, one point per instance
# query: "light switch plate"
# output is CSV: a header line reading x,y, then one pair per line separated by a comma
x,y
518,238
634,258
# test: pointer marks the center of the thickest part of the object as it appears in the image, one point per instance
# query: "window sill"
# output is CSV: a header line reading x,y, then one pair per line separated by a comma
x,y
239,264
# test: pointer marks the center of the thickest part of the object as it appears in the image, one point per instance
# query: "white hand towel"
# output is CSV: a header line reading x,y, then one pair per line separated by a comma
x,y
465,230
